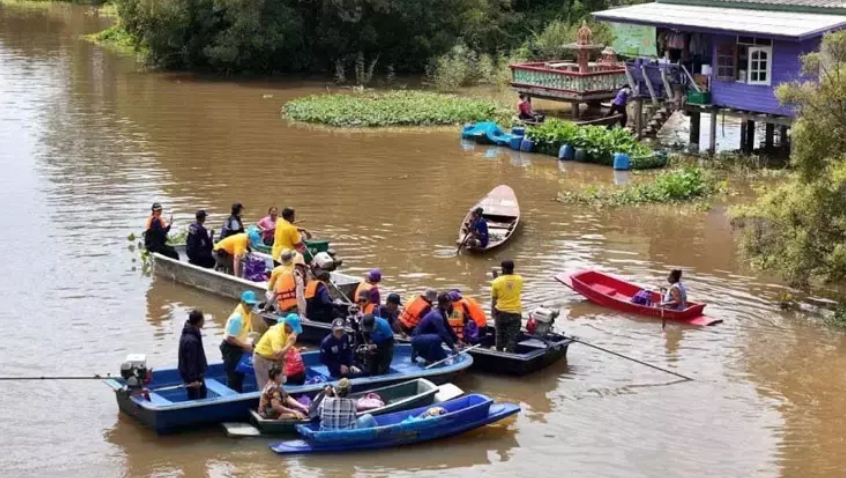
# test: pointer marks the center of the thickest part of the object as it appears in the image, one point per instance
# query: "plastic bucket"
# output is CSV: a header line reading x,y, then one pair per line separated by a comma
x,y
566,153
527,145
518,131
621,162
515,142
580,155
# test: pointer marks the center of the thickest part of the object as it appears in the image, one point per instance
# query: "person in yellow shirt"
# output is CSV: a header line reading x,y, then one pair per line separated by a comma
x,y
506,306
273,346
230,253
287,235
237,340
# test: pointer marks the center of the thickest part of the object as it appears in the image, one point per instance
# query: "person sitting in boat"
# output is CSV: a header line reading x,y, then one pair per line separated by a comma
x,y
199,243
155,233
275,403
287,283
379,338
525,112
319,303
336,351
473,309
370,287
391,311
433,332
272,347
230,253
338,412
416,310
236,339
287,235
477,230
233,224
460,321
676,296
192,362
365,304
267,226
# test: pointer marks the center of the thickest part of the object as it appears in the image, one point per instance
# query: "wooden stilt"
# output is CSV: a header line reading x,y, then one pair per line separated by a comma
x,y
750,137
769,137
639,118
712,140
742,146
575,107
783,139
695,123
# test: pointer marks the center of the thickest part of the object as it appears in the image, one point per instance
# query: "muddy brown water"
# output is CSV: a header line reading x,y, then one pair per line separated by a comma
x,y
87,142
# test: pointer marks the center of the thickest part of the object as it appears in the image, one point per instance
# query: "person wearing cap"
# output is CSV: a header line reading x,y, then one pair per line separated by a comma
x,y
477,230
506,307
380,338
200,242
365,306
229,253
287,235
236,339
272,347
390,311
155,233
336,351
319,303
475,321
233,224
459,320
338,412
433,332
287,283
370,287
416,310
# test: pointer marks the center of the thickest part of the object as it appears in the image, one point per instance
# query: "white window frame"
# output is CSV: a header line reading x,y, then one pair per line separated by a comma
x,y
768,50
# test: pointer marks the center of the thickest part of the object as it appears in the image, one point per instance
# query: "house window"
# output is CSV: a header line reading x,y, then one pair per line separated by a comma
x,y
760,65
726,62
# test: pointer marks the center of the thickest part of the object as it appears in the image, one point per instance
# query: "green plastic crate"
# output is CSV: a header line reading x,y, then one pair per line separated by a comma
x,y
699,97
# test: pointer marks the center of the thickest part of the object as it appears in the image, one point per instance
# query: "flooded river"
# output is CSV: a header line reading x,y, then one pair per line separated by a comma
x,y
88,142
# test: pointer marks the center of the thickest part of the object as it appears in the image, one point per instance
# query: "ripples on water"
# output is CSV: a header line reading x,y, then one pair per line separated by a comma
x,y
87,143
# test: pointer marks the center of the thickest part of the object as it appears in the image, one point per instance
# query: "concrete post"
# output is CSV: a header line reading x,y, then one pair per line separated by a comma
x,y
712,141
768,137
695,123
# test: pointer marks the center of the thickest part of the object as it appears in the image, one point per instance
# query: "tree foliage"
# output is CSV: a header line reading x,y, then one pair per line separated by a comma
x,y
798,228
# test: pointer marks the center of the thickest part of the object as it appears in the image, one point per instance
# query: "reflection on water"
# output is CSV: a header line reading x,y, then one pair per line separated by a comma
x,y
88,142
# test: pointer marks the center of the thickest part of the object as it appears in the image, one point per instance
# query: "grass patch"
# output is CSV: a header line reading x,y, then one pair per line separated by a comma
x,y
394,108
677,186
115,38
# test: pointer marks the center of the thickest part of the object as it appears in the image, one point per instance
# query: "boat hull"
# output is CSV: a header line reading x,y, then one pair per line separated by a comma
x,y
614,293
465,413
170,411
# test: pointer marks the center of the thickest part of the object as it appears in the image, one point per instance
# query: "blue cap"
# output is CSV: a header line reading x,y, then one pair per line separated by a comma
x,y
293,321
249,297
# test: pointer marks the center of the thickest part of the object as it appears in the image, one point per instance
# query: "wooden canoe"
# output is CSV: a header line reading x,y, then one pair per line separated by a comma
x,y
614,293
502,212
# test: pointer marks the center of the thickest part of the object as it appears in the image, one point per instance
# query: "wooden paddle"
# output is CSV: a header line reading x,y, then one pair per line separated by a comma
x,y
451,356
463,241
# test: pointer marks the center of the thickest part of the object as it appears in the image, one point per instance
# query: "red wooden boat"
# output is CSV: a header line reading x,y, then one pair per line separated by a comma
x,y
614,293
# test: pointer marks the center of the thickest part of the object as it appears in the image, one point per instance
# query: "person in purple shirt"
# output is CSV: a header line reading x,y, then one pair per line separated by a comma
x,y
432,332
618,106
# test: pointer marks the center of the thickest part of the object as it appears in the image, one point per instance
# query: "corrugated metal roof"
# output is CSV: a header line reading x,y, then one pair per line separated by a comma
x,y
734,20
779,3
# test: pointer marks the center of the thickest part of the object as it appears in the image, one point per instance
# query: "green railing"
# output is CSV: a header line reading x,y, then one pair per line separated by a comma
x,y
537,75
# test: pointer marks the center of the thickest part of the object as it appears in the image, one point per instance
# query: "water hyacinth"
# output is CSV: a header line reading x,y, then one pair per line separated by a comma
x,y
395,108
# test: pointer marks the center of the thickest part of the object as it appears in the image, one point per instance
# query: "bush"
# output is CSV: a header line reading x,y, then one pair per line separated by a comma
x,y
398,108
463,67
681,185
599,143
114,37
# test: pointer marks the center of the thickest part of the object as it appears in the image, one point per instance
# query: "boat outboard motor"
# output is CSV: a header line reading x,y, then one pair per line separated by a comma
x,y
541,320
135,372
326,261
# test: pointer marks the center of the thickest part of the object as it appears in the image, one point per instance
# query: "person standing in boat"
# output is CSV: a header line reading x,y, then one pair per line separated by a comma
x,y
477,230
155,233
676,296
267,226
236,339
416,310
287,235
229,253
272,347
433,332
192,357
233,224
618,106
507,307
200,243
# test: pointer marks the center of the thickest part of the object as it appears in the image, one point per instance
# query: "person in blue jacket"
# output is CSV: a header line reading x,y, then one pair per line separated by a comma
x,y
380,339
432,333
336,351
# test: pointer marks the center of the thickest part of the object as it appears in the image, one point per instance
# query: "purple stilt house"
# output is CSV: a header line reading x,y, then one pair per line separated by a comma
x,y
729,55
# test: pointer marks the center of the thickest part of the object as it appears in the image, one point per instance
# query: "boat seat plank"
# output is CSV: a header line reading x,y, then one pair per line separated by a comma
x,y
319,370
533,344
604,289
219,388
158,400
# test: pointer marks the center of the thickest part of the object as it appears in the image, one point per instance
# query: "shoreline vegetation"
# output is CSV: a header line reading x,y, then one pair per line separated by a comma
x,y
392,108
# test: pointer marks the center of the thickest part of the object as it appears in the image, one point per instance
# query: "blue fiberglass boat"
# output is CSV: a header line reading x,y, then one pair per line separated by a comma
x,y
169,410
401,428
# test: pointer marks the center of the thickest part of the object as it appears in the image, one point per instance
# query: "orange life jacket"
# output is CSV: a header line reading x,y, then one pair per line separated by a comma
x,y
414,311
474,310
286,291
369,308
456,319
311,288
364,287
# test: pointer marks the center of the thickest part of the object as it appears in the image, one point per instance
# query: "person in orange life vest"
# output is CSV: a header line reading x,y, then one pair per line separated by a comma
x,y
369,286
318,301
289,286
364,304
155,233
416,310
461,321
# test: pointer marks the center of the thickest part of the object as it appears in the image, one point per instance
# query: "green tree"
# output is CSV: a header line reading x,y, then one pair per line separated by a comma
x,y
798,228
